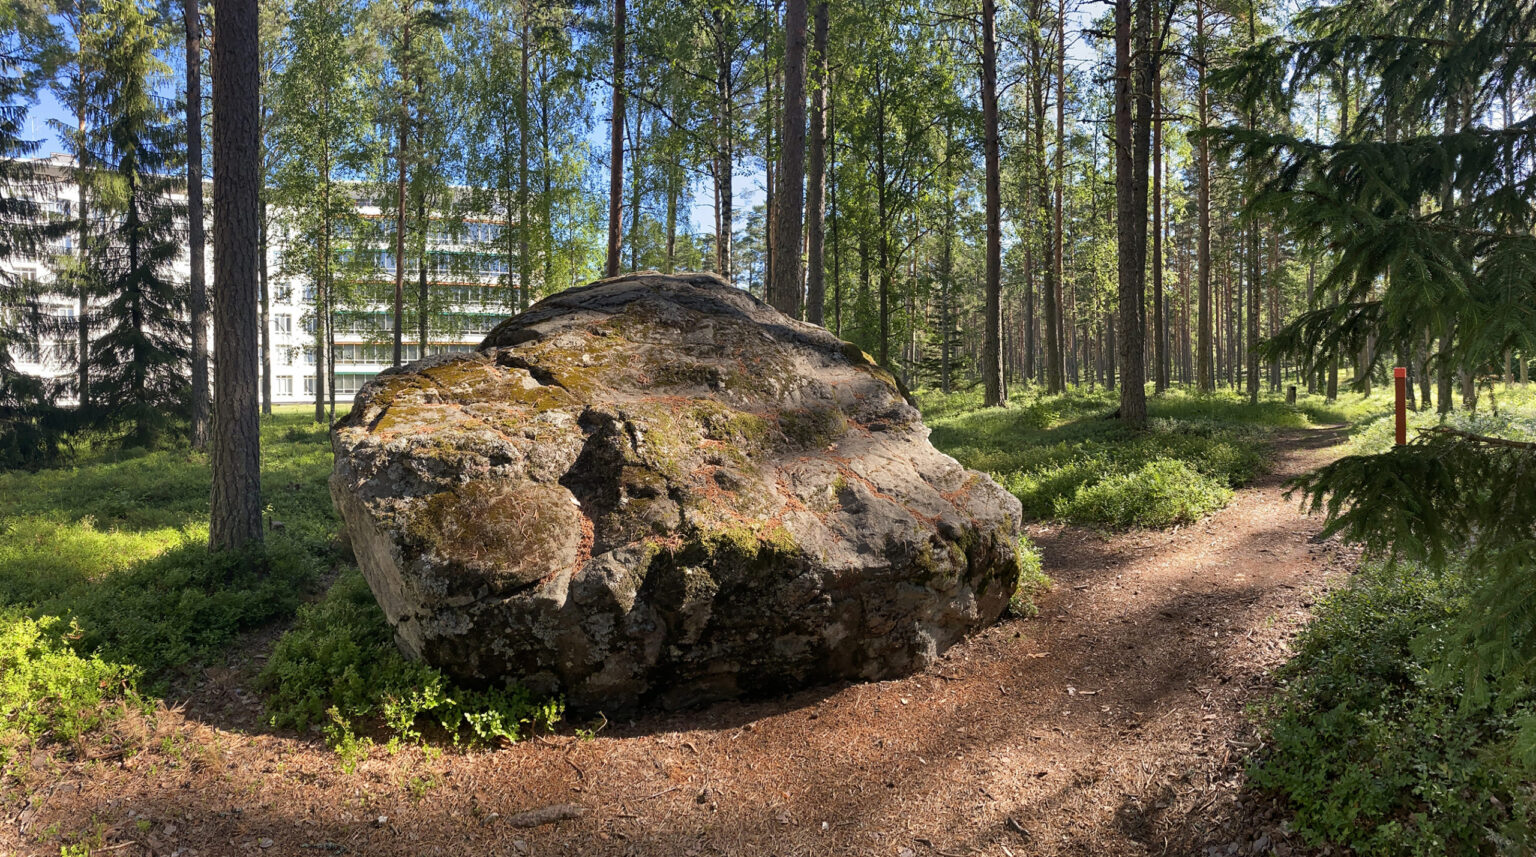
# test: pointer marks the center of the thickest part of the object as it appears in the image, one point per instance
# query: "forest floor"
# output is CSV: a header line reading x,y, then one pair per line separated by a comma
x,y
1112,723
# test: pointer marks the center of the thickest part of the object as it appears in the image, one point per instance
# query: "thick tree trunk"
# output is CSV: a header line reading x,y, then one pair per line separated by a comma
x,y
992,352
724,168
815,202
195,237
616,146
235,515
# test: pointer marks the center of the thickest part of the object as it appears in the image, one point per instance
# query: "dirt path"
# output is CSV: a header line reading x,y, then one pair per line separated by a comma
x,y
1110,724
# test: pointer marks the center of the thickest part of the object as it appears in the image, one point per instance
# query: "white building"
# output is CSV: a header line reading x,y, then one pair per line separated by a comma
x,y
466,283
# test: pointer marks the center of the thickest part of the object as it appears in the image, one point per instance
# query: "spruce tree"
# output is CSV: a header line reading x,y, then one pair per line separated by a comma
x,y
1431,228
28,424
139,364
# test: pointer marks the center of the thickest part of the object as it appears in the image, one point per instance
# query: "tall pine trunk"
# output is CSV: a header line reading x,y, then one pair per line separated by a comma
x,y
1132,142
784,288
992,351
235,511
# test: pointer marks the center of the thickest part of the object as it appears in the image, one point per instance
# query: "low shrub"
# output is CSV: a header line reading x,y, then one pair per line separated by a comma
x,y
47,690
1160,493
1371,742
1032,583
338,668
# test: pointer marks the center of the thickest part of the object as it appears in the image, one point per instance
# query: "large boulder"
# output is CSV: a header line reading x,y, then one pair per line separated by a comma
x,y
657,489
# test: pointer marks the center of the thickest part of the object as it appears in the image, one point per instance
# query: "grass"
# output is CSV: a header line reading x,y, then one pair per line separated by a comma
x,y
1066,460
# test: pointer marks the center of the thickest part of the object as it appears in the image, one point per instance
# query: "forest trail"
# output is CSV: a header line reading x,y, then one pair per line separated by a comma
x,y
1111,724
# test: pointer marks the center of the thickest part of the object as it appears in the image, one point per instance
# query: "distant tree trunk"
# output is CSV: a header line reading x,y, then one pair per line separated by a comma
x,y
1204,346
784,290
235,512
266,312
815,203
837,256
1255,301
195,238
524,259
83,284
1160,358
724,168
1056,381
616,146
423,294
403,136
992,351
1131,135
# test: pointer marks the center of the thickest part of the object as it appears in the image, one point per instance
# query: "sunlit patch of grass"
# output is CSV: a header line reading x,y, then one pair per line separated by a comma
x,y
1066,457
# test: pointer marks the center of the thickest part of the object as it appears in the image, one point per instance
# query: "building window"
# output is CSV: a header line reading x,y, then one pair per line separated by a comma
x,y
284,294
284,385
282,324
309,385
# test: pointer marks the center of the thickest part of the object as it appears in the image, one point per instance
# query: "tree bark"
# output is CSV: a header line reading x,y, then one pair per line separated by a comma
x,y
1130,200
815,201
616,146
992,352
1255,299
785,287
195,238
235,519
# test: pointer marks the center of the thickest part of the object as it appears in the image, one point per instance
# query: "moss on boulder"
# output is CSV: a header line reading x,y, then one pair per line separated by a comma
x,y
657,489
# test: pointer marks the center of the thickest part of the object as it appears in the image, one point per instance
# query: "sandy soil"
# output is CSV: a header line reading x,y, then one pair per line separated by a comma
x,y
1113,723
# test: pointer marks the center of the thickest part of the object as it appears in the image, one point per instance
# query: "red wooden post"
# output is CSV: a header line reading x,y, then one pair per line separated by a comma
x,y
1400,379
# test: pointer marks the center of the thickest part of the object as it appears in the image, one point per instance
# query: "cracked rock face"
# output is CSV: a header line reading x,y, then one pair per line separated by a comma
x,y
658,490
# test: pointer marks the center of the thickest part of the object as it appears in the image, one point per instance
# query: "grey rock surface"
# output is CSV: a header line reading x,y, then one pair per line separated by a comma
x,y
657,490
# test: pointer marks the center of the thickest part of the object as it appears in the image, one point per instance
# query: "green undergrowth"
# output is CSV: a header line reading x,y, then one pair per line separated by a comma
x,y
1066,459
1372,743
338,669
107,590
108,595
1515,418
